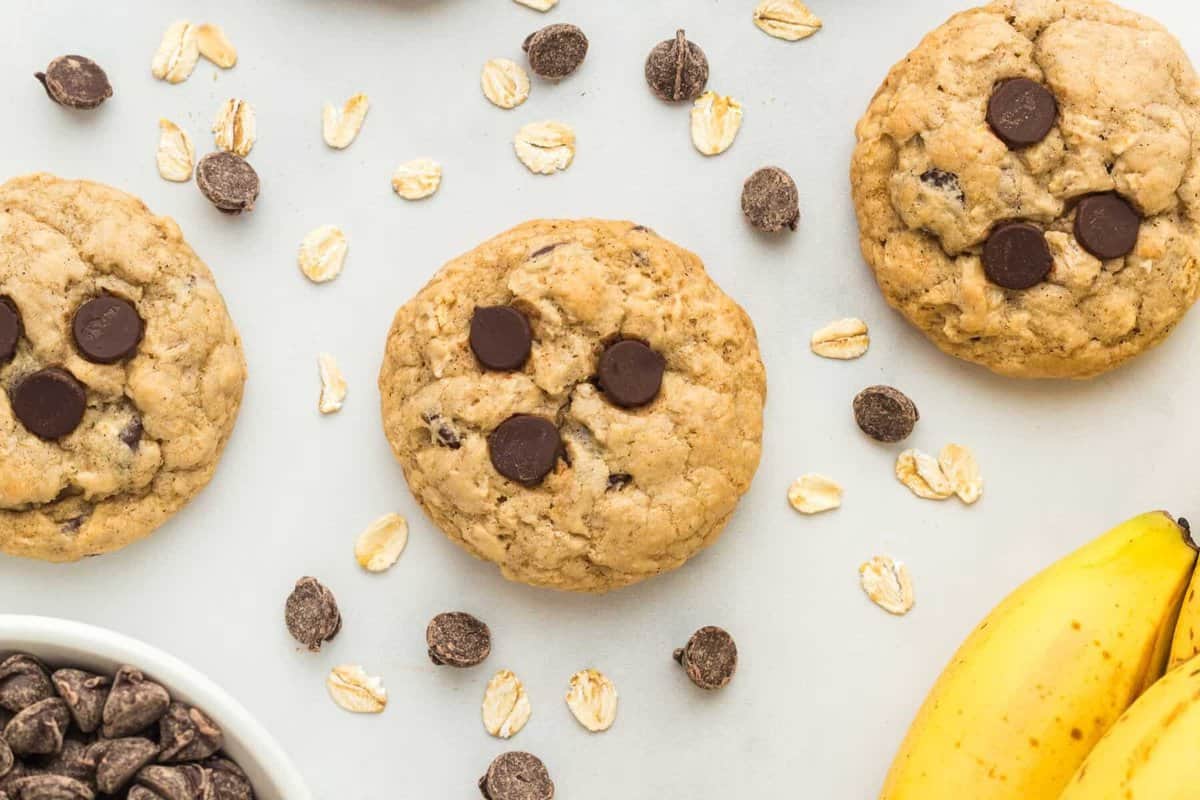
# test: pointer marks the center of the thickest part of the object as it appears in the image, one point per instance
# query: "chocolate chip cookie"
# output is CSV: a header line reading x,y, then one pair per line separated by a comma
x,y
1027,184
575,401
120,371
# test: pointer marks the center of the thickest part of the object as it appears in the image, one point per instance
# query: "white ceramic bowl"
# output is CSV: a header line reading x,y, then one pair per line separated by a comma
x,y
60,642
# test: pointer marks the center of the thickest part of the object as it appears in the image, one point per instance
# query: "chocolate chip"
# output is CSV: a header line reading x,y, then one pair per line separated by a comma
x,y
885,414
618,481
541,251
75,760
945,181
118,760
228,181
185,782
525,448
7,759
500,337
11,329
23,681
457,639
75,82
556,50
630,373
228,780
84,694
677,69
517,776
107,329
1016,255
49,403
312,614
131,434
38,729
134,703
710,658
770,200
50,787
187,734
1106,225
1021,112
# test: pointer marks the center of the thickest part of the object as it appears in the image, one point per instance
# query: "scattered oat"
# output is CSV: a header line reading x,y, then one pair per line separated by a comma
x,y
842,339
215,45
354,690
539,5
593,700
786,19
417,179
812,494
235,129
716,120
380,545
176,156
504,82
323,253
960,467
545,147
333,385
920,473
177,53
340,127
888,584
506,707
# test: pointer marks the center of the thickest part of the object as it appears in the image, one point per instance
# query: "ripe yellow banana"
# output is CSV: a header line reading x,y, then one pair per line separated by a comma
x,y
1042,678
1187,631
1150,754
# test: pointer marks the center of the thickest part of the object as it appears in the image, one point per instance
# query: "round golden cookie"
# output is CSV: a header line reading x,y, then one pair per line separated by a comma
x,y
933,179
635,489
120,382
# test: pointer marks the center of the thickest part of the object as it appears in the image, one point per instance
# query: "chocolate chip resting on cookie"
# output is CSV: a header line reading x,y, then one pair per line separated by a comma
x,y
575,401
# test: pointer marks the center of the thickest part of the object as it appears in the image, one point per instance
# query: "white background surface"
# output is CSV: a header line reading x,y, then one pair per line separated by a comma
x,y
827,682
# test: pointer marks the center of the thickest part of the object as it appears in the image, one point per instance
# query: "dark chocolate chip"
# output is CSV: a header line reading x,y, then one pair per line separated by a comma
x,y
710,658
49,787
228,181
85,695
107,329
630,373
7,759
1016,255
23,681
38,729
184,782
541,251
1021,112
500,337
457,639
75,760
1106,225
517,776
118,760
945,181
228,780
770,200
75,82
555,51
134,703
525,448
131,434
885,414
49,403
11,329
311,614
187,734
677,69
73,524
618,481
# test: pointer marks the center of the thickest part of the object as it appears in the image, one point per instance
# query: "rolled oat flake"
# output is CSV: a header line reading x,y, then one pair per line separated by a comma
x,y
517,776
709,658
311,614
228,181
556,51
677,69
75,82
885,414
457,639
770,200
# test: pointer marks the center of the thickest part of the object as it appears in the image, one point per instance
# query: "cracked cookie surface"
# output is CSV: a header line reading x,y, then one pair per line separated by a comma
x,y
637,490
154,422
931,180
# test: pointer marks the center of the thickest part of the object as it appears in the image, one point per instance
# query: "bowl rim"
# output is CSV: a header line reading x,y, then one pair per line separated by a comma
x,y
33,630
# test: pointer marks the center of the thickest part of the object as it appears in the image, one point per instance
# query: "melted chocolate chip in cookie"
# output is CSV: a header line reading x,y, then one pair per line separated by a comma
x,y
49,403
500,337
107,329
631,373
945,181
10,329
525,448
1016,255
1021,112
1106,225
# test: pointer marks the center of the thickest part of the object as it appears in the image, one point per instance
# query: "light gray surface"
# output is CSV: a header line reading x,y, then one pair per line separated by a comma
x,y
828,682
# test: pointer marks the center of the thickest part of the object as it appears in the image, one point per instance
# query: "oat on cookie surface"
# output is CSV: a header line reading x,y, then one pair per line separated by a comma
x,y
933,179
121,315
635,489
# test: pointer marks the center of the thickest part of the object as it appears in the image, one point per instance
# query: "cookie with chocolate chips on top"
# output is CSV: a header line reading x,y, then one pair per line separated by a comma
x,y
120,371
575,401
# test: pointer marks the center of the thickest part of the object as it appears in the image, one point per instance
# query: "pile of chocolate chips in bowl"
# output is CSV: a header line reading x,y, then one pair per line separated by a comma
x,y
70,734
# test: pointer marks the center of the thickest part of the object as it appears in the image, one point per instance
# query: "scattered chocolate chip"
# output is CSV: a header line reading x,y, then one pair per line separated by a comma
x,y
228,181
630,373
770,200
7,759
85,695
187,734
945,181
11,329
107,329
23,681
134,703
49,403
73,761
500,337
618,481
38,729
555,51
118,760
49,787
525,448
710,658
677,69
131,434
1106,225
312,614
1021,112
186,782
228,780
75,82
1016,255
517,776
885,414
457,639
